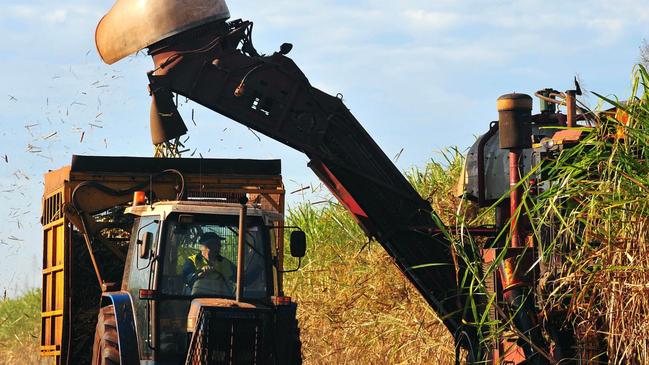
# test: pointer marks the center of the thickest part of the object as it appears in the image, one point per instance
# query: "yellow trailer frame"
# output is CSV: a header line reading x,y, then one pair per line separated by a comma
x,y
60,220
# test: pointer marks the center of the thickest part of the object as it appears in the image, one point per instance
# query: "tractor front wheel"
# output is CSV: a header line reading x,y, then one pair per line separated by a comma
x,y
105,351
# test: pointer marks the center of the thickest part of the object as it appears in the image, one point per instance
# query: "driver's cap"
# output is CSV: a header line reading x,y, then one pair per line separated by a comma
x,y
210,238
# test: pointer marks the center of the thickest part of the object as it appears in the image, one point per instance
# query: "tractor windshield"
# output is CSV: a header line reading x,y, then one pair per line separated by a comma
x,y
200,257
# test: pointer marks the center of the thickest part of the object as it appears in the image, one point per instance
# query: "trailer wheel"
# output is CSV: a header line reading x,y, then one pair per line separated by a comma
x,y
105,350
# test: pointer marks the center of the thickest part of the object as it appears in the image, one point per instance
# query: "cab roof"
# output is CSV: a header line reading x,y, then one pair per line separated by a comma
x,y
205,166
196,207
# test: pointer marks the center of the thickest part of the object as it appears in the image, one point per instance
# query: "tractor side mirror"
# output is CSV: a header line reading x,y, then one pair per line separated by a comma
x,y
298,244
145,245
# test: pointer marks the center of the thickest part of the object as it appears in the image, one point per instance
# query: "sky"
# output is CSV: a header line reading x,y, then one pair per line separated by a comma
x,y
419,75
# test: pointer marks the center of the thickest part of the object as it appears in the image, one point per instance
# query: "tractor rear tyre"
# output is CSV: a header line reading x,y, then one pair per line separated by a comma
x,y
106,350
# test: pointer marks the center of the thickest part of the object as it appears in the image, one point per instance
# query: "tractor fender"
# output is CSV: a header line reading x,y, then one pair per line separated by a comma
x,y
126,328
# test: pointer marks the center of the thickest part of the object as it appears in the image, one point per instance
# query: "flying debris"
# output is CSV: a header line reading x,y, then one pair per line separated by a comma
x,y
300,190
34,149
29,128
398,155
72,72
19,174
255,134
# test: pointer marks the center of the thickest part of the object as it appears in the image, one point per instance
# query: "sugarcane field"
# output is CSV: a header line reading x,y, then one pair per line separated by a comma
x,y
223,182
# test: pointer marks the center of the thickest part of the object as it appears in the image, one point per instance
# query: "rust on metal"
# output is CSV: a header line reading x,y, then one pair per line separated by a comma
x,y
571,108
200,303
516,191
567,136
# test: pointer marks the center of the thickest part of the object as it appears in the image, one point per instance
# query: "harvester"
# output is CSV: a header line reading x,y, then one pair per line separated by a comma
x,y
200,54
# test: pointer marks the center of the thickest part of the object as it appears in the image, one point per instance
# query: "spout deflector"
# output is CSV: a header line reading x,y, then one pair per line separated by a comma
x,y
132,25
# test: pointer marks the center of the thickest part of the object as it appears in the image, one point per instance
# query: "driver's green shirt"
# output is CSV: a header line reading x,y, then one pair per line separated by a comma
x,y
219,281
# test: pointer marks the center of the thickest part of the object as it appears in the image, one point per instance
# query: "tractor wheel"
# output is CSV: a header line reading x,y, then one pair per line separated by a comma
x,y
105,350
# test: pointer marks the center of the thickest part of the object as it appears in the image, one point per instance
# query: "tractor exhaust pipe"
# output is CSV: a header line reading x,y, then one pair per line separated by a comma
x,y
241,251
515,132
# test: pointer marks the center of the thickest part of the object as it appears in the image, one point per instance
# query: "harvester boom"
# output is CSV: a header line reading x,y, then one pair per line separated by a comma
x,y
270,94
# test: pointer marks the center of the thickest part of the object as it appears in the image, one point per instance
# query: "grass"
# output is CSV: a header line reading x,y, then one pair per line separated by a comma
x,y
598,262
355,306
20,329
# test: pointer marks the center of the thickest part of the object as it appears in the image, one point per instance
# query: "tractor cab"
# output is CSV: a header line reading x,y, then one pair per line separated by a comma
x,y
167,256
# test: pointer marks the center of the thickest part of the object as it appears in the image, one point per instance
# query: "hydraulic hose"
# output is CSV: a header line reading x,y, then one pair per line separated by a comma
x,y
110,191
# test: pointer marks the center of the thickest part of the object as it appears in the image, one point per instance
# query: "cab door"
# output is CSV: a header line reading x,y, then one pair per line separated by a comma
x,y
139,274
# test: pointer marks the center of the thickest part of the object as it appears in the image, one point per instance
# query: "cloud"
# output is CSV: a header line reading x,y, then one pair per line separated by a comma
x,y
57,16
20,11
50,12
432,19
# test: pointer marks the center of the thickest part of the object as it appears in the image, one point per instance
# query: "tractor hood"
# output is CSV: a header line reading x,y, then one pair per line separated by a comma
x,y
132,25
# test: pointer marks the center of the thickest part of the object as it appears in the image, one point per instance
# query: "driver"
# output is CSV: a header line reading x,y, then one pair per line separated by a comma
x,y
209,273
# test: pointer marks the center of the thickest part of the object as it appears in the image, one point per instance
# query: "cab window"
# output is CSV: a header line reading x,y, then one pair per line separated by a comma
x,y
185,258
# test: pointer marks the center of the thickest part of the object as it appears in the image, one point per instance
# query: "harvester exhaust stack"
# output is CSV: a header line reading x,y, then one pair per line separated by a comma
x,y
131,26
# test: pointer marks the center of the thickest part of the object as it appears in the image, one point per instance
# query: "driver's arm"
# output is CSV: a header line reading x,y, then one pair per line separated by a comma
x,y
189,273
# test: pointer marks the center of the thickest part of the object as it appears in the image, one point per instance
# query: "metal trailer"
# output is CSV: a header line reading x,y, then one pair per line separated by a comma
x,y
86,236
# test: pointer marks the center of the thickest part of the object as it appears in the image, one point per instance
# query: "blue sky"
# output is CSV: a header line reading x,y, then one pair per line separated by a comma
x,y
420,75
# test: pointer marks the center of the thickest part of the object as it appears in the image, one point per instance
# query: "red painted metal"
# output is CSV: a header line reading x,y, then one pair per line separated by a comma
x,y
567,136
342,194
